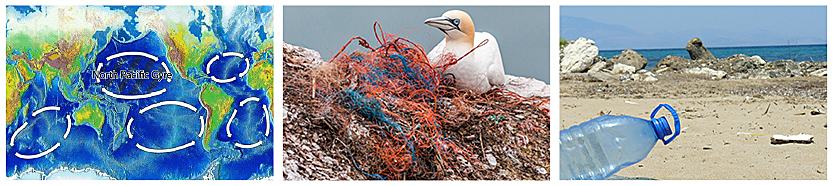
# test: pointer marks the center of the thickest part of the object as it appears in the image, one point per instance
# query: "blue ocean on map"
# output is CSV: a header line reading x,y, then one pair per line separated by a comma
x,y
769,53
139,92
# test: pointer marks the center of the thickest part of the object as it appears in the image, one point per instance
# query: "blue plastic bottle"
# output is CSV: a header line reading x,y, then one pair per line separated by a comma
x,y
598,148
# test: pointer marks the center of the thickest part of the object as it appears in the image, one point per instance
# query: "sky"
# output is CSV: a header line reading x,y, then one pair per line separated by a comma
x,y
522,32
619,27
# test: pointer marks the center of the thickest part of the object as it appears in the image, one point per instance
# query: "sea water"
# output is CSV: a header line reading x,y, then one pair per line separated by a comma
x,y
768,53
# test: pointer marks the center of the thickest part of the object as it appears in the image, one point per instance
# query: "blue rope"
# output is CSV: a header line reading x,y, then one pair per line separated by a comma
x,y
370,108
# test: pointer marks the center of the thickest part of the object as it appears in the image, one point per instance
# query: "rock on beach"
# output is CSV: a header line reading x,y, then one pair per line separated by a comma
x,y
631,58
697,51
578,55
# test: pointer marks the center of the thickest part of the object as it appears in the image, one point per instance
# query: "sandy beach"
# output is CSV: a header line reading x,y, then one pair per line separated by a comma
x,y
726,124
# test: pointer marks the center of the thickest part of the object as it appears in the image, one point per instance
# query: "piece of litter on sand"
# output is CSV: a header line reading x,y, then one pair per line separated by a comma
x,y
800,138
816,112
767,109
751,134
631,102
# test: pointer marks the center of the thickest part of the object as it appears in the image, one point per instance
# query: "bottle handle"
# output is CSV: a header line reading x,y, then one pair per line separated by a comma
x,y
676,122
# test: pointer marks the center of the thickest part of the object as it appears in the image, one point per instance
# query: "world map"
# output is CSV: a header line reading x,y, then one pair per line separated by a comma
x,y
139,92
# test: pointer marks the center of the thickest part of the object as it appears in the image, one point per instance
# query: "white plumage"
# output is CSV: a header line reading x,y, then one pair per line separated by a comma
x,y
481,69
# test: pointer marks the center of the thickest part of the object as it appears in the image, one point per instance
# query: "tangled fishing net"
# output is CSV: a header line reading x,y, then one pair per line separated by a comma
x,y
393,115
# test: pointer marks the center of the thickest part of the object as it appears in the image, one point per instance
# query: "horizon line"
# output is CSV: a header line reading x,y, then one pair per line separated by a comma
x,y
720,47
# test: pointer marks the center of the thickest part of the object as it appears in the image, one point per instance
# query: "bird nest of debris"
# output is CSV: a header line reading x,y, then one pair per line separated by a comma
x,y
386,113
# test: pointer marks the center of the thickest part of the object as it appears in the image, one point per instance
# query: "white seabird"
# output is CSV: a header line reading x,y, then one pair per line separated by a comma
x,y
478,71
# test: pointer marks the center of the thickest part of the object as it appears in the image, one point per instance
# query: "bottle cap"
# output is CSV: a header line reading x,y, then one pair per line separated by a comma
x,y
661,126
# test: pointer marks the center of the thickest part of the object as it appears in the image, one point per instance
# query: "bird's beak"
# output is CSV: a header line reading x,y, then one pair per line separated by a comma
x,y
443,23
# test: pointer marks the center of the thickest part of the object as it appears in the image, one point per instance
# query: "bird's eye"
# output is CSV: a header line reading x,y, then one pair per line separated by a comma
x,y
456,21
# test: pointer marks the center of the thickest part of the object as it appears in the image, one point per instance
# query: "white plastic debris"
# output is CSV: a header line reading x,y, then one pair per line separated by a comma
x,y
800,138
